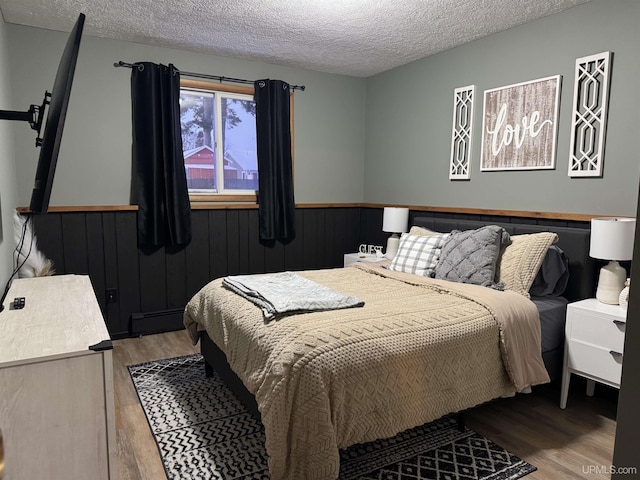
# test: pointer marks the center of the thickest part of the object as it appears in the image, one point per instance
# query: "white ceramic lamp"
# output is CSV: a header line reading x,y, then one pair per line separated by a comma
x,y
611,239
395,221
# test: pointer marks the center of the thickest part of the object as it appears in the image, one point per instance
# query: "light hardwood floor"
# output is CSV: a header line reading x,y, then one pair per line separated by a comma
x,y
575,443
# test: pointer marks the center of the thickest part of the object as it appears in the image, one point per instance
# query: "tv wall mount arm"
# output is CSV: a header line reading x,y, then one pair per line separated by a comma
x,y
34,116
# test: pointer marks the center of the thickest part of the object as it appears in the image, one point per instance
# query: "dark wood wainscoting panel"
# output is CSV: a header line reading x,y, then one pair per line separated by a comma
x,y
156,284
218,257
96,255
371,227
197,257
371,222
48,229
110,259
127,260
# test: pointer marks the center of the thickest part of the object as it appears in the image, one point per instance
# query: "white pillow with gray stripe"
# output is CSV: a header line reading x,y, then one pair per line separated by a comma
x,y
418,254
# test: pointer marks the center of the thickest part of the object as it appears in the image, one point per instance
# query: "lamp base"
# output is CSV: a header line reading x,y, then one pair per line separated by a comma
x,y
611,283
392,247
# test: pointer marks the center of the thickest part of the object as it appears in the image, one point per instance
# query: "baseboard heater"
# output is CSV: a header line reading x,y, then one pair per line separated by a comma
x,y
156,322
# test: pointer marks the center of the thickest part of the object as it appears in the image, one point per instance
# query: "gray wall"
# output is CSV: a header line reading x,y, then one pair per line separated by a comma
x,y
95,157
406,114
8,199
409,110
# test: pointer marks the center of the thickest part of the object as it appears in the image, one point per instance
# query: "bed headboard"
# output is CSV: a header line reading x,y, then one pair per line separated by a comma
x,y
574,241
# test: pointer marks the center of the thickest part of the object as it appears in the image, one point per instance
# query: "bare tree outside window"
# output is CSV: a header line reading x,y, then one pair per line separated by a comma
x,y
219,141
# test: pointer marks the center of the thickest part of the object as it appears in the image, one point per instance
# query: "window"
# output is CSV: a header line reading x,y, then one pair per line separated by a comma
x,y
219,141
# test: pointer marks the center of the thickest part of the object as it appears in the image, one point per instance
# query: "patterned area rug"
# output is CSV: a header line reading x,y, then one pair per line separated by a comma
x,y
204,432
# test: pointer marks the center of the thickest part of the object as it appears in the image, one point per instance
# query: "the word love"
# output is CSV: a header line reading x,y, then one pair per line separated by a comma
x,y
505,134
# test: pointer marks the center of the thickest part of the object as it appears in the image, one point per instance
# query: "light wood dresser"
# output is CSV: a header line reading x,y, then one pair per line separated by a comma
x,y
56,394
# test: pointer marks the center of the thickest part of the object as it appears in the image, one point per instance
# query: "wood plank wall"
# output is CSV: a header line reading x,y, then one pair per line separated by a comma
x,y
153,288
225,242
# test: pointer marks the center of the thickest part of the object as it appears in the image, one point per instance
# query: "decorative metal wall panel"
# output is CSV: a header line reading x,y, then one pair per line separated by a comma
x,y
461,134
589,117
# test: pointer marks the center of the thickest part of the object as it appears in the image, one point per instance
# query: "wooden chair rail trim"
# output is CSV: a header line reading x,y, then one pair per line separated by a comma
x,y
578,217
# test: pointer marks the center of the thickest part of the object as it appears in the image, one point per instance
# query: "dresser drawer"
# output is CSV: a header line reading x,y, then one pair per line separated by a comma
x,y
595,361
596,329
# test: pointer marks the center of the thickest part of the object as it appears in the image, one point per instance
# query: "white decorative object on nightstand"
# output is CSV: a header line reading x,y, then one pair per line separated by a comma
x,y
594,344
350,258
623,299
394,221
612,239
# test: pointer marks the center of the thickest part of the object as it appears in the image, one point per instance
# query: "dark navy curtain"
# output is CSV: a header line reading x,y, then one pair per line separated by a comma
x,y
160,183
276,205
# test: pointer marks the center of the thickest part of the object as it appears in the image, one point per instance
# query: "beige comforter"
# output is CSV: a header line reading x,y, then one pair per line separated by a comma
x,y
418,349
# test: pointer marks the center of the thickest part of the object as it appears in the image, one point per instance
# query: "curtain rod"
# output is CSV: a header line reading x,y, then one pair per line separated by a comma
x,y
203,75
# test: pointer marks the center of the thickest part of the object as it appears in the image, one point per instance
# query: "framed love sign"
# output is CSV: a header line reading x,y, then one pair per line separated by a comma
x,y
519,126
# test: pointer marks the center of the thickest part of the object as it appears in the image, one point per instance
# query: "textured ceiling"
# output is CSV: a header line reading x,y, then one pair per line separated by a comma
x,y
351,37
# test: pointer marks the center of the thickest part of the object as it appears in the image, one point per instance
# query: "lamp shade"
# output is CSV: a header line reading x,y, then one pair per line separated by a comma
x,y
395,220
612,238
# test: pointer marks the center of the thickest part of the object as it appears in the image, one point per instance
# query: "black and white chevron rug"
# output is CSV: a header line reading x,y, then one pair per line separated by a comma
x,y
204,432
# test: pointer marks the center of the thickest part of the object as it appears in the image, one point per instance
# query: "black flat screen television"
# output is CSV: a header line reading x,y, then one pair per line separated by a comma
x,y
55,104
56,116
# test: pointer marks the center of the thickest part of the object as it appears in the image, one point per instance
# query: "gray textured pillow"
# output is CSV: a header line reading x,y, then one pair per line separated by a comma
x,y
471,256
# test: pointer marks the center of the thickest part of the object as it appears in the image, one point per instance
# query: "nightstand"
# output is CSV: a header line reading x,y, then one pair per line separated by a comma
x,y
594,344
350,258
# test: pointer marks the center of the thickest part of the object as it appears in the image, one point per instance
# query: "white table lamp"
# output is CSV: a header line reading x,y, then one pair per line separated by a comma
x,y
395,221
612,239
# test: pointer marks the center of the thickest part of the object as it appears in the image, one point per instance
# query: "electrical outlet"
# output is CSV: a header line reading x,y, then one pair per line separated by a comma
x,y
112,295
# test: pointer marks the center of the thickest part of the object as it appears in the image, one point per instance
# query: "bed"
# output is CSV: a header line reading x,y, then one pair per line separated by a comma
x,y
418,349
574,242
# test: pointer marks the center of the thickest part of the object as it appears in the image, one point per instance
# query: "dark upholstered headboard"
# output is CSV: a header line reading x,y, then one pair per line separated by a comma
x,y
574,241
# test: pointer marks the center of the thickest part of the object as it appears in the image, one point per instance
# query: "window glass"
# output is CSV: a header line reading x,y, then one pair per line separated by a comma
x,y
219,142
239,143
197,117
